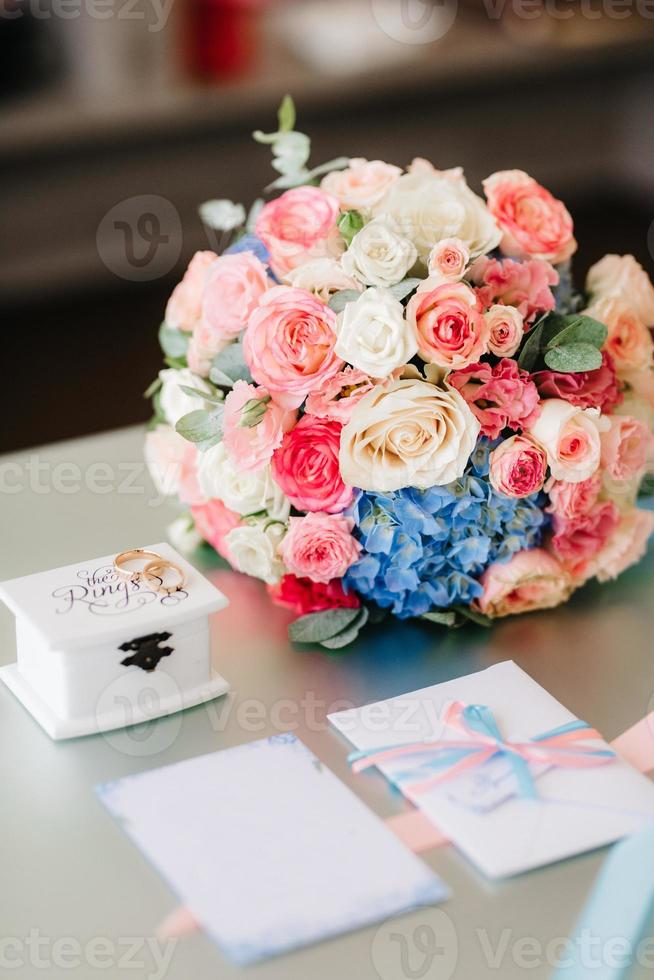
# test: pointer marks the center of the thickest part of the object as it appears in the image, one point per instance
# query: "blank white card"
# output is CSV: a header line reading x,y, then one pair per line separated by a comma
x,y
267,848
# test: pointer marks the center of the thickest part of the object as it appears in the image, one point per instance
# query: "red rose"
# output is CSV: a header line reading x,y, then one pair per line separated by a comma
x,y
304,596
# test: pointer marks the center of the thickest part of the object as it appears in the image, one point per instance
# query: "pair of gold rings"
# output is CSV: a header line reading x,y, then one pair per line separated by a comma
x,y
153,571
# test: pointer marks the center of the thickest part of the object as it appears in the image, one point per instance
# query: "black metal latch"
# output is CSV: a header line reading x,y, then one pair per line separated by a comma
x,y
147,652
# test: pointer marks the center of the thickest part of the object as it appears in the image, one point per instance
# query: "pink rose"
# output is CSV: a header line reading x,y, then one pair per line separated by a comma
x,y
629,341
253,426
571,500
530,580
622,276
296,226
579,539
203,347
586,389
319,547
506,330
304,596
336,397
625,447
626,546
518,467
448,260
289,344
534,223
233,287
362,184
171,463
306,466
214,521
525,285
185,304
501,397
571,438
449,328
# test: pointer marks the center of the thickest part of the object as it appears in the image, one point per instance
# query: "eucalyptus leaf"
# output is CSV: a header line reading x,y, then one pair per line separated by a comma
x,y
472,614
173,342
580,329
286,115
402,289
339,300
207,396
350,224
153,388
320,626
531,348
573,358
349,634
444,617
204,428
228,366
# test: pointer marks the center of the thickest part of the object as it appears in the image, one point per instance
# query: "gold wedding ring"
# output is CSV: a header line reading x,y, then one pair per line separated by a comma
x,y
162,565
135,554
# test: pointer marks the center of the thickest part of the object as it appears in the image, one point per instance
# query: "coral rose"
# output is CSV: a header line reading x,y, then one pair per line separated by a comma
x,y
518,467
184,307
449,327
571,500
629,341
531,580
234,284
533,222
289,344
320,547
306,466
296,227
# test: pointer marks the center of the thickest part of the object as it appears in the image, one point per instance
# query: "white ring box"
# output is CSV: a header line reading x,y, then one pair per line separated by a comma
x,y
77,626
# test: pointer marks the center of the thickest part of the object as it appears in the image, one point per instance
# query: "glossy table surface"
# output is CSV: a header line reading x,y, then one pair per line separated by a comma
x,y
76,897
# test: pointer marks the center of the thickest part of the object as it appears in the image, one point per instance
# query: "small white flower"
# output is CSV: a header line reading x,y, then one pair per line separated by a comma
x,y
172,400
378,255
183,535
253,549
373,334
244,492
323,277
223,215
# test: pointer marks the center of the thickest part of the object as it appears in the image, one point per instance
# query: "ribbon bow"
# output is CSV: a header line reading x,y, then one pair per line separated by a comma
x,y
562,747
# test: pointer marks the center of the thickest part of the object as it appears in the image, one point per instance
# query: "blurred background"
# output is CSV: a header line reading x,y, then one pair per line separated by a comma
x,y
119,117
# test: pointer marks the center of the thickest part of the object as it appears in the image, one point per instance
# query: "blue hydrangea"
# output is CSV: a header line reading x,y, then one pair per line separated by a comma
x,y
425,549
250,243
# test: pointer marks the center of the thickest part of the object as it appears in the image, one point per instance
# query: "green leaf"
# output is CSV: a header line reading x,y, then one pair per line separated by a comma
x,y
207,396
320,626
253,412
350,224
531,348
153,388
349,634
339,300
402,289
472,614
573,358
443,617
173,342
286,115
580,329
228,366
202,427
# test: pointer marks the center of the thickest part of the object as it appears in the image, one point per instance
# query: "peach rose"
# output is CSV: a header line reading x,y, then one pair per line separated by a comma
x,y
530,580
518,467
571,500
320,547
289,344
185,304
505,325
234,284
362,184
448,260
322,277
253,426
626,546
625,447
623,277
449,327
533,222
296,227
571,438
629,341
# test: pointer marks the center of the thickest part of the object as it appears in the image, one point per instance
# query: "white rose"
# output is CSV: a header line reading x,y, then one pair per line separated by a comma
x,y
428,207
253,549
172,400
378,255
183,535
623,277
165,451
373,334
322,277
407,434
245,492
505,324
571,438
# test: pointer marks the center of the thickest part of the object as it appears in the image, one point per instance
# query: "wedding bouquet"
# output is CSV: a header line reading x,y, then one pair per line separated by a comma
x,y
386,396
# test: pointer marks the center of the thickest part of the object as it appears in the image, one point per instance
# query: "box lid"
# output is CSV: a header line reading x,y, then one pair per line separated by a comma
x,y
86,604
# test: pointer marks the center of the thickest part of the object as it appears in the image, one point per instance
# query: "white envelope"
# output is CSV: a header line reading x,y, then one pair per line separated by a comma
x,y
577,809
